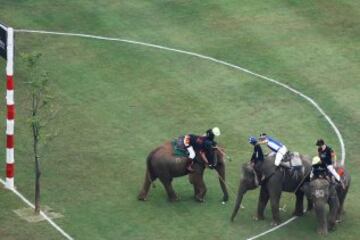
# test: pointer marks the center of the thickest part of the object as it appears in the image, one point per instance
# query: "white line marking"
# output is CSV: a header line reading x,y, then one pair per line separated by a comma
x,y
273,229
338,134
67,236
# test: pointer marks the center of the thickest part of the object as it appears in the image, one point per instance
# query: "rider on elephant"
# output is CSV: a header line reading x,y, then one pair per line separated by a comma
x,y
201,144
256,158
323,163
276,147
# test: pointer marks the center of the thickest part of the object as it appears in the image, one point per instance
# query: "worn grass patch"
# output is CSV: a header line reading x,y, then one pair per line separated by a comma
x,y
30,216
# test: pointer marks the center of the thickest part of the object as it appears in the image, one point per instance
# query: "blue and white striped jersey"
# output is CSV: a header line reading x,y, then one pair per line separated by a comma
x,y
273,144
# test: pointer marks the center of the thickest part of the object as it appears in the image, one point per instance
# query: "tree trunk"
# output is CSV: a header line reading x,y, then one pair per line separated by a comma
x,y
37,185
36,135
37,168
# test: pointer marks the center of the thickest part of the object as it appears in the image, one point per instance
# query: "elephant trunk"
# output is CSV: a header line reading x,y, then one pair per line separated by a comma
x,y
320,212
242,190
221,174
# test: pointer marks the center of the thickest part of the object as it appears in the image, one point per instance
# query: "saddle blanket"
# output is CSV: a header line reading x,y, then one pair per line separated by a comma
x,y
178,151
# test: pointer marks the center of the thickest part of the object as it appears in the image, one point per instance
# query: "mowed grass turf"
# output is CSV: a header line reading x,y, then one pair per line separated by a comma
x,y
119,101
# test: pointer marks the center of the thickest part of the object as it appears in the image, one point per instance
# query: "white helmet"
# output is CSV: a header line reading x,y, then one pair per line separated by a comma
x,y
216,131
316,160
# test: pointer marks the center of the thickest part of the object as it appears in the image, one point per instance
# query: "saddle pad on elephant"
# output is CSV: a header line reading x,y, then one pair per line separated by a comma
x,y
295,160
292,159
178,151
295,164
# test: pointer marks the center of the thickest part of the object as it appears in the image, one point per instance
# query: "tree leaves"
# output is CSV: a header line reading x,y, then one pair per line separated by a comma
x,y
43,107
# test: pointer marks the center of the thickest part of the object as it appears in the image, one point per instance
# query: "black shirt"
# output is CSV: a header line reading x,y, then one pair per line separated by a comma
x,y
201,142
325,157
257,154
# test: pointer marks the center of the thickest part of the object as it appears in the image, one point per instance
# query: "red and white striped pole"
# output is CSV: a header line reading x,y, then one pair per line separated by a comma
x,y
10,121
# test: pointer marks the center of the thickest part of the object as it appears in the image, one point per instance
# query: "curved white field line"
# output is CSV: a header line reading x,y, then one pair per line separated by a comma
x,y
338,134
67,236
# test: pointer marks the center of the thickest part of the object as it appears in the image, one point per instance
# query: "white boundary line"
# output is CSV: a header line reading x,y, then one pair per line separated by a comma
x,y
310,100
273,229
41,212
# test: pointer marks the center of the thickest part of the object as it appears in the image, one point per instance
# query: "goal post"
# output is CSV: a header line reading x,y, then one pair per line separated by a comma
x,y
7,52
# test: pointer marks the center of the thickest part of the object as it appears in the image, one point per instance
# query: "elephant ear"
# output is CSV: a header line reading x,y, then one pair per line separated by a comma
x,y
247,169
268,166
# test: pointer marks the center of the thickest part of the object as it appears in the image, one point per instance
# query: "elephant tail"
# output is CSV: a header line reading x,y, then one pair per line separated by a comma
x,y
151,175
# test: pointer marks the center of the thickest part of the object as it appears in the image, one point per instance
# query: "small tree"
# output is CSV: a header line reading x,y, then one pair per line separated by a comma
x,y
42,111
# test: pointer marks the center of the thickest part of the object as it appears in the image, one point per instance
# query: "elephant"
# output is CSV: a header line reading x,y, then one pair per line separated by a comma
x,y
164,165
275,180
323,191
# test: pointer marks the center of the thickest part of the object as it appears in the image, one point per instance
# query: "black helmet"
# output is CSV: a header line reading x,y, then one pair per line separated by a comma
x,y
210,134
320,142
262,136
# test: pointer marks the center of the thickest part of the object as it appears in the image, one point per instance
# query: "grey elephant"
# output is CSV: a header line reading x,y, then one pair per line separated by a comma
x,y
276,180
323,192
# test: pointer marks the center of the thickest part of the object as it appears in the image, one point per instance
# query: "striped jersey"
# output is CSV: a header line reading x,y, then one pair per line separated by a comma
x,y
273,144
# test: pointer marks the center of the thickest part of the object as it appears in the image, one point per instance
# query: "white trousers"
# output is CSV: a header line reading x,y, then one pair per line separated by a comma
x,y
280,155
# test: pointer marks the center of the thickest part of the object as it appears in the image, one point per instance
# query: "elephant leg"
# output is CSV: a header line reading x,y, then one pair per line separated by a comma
x,y
306,189
310,205
275,195
169,189
334,208
192,180
199,187
263,200
299,205
340,212
221,174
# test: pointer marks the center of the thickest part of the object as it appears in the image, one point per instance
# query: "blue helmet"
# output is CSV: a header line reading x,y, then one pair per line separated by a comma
x,y
252,140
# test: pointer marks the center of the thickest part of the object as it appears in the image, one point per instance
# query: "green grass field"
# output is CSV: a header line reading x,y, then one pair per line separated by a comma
x,y
118,101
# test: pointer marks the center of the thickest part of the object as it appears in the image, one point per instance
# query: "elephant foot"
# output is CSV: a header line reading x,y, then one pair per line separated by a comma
x,y
173,199
339,218
225,198
322,232
199,199
259,218
332,227
142,197
298,213
275,223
